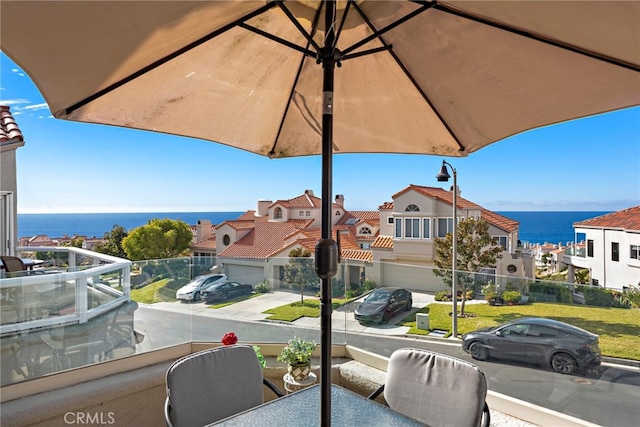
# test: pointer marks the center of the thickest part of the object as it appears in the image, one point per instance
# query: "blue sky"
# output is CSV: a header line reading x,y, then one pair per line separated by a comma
x,y
590,164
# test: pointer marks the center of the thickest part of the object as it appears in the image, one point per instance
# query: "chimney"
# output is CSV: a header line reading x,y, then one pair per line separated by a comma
x,y
263,207
459,192
340,200
308,192
203,229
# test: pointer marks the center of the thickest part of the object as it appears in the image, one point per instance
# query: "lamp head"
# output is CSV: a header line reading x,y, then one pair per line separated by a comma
x,y
443,176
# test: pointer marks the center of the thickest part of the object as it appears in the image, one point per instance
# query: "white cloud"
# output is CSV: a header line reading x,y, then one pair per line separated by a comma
x,y
11,102
37,106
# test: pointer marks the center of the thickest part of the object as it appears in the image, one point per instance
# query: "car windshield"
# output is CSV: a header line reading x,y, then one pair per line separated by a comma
x,y
377,297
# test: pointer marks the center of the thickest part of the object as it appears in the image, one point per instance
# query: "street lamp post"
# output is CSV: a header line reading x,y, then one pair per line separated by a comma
x,y
444,176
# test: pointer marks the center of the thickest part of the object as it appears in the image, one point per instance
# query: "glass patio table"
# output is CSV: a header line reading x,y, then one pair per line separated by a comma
x,y
302,408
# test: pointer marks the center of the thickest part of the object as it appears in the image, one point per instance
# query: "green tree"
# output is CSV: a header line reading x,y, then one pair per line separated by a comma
x,y
75,242
113,242
475,249
300,270
581,276
158,239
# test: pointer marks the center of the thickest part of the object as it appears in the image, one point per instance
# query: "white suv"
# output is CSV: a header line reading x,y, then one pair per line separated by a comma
x,y
193,290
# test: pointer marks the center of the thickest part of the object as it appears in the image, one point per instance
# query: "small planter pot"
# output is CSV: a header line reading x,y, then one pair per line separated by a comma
x,y
299,371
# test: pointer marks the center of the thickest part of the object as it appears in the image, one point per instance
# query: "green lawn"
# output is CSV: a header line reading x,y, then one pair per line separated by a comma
x,y
296,310
161,290
619,328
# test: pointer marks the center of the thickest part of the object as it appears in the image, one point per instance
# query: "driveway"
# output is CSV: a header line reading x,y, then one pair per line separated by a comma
x,y
252,309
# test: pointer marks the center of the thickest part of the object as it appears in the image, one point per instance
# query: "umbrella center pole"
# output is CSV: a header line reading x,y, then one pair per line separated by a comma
x,y
326,251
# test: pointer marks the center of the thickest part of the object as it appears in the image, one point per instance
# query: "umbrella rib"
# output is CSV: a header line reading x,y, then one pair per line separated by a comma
x,y
295,22
377,33
278,39
535,37
388,46
314,27
167,58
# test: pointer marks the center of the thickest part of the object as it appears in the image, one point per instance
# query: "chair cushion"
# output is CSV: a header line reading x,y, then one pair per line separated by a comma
x,y
213,384
435,389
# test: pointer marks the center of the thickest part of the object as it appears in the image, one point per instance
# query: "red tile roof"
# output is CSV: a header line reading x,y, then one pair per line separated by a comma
x,y
356,255
264,239
386,205
9,130
626,219
383,242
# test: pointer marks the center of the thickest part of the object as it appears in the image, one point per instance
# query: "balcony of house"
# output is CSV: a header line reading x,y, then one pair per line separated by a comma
x,y
76,345
575,256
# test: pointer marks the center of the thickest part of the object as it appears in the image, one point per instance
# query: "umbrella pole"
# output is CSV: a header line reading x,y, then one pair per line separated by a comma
x,y
326,250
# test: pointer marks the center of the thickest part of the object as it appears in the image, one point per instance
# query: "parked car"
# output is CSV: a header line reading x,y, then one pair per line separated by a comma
x,y
564,347
193,290
225,291
382,303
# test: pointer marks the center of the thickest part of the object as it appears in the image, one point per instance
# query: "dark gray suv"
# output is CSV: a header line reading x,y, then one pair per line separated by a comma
x,y
564,347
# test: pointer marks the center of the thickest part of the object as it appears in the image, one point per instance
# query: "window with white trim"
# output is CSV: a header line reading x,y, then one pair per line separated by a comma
x,y
426,228
412,228
445,225
412,208
390,220
364,230
500,241
398,233
634,252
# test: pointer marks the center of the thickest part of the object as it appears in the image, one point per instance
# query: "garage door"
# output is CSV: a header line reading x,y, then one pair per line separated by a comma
x,y
245,274
411,277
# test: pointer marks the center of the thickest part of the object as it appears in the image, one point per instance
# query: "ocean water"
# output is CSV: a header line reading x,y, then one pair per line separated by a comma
x,y
97,224
549,227
535,227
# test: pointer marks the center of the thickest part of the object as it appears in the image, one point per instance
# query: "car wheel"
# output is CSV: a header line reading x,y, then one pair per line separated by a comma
x,y
563,363
408,306
196,297
478,351
386,316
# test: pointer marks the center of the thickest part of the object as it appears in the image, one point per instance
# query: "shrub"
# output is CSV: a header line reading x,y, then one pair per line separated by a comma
x,y
369,285
352,293
597,296
262,287
632,295
550,292
443,295
511,297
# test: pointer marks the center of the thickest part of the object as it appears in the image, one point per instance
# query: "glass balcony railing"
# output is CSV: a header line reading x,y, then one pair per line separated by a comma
x,y
79,310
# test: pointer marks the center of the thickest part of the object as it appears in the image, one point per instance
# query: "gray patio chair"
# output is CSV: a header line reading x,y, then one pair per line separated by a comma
x,y
435,389
213,384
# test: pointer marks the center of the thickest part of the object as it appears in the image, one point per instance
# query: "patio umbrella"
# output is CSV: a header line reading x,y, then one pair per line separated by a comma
x,y
293,78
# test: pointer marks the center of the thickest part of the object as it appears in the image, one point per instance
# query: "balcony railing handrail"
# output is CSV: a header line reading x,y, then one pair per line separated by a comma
x,y
80,277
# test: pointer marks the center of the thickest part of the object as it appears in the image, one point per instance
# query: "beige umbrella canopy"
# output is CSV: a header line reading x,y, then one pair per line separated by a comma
x,y
450,80
292,78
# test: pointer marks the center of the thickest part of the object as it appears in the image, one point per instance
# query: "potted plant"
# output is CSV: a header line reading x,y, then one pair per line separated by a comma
x,y
297,354
230,338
